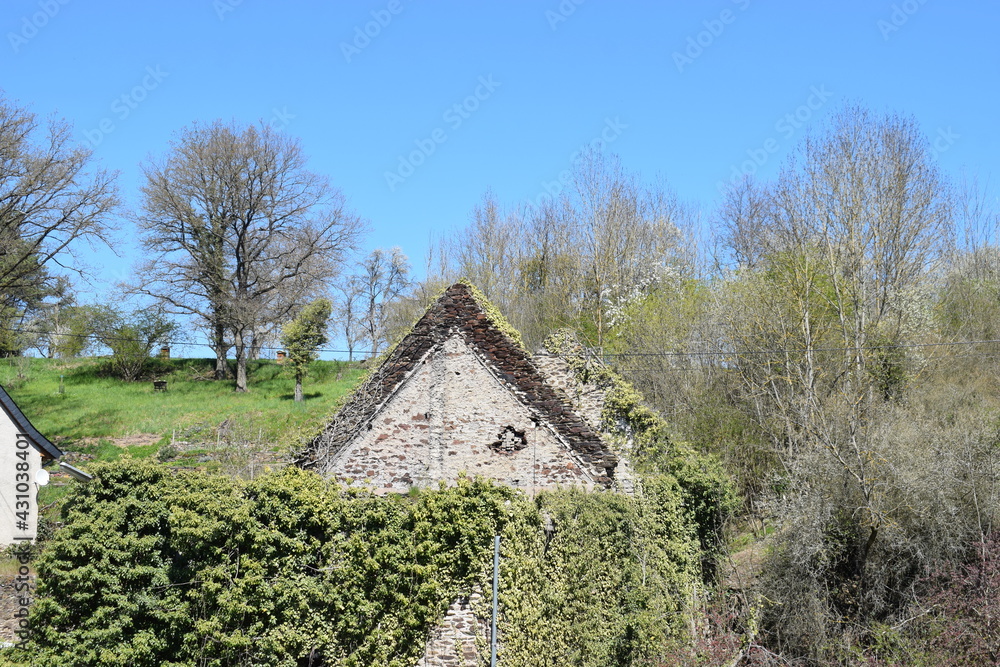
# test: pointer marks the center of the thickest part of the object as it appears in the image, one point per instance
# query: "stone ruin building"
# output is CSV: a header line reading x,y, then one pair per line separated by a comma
x,y
459,396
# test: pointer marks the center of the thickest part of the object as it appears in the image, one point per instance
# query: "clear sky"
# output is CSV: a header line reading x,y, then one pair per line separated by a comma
x,y
414,108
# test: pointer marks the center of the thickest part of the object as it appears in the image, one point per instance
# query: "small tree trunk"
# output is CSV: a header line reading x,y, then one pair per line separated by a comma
x,y
298,388
256,345
241,363
221,367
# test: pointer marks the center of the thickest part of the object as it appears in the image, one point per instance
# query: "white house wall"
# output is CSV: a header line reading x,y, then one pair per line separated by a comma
x,y
19,466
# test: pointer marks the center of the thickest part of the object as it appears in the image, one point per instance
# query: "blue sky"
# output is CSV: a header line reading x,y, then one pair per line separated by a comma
x,y
415,108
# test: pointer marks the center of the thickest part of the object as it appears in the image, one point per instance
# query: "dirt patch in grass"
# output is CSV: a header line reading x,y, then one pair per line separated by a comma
x,y
9,606
139,439
746,563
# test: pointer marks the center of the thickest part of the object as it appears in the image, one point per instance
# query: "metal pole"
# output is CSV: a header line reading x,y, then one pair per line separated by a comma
x,y
496,582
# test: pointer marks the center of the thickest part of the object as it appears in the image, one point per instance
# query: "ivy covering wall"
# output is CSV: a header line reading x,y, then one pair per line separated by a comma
x,y
155,567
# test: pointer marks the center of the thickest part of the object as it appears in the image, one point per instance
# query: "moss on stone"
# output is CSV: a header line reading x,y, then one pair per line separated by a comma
x,y
494,315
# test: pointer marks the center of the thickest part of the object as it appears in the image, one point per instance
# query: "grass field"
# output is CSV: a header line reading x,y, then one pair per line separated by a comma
x,y
77,405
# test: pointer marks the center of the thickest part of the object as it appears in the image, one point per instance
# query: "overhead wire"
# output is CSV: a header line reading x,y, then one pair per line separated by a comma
x,y
139,340
606,355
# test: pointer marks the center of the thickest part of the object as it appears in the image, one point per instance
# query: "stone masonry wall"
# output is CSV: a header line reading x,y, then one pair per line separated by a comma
x,y
452,416
587,399
453,642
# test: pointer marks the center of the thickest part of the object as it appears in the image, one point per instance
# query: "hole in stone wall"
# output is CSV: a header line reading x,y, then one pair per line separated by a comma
x,y
509,440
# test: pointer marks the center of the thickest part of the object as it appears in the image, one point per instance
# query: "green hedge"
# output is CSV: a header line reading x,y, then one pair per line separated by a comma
x,y
155,567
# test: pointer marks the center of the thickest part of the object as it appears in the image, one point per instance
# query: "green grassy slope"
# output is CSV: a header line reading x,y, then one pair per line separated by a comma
x,y
93,405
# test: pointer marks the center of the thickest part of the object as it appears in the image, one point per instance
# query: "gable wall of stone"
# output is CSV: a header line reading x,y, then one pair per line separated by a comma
x,y
441,423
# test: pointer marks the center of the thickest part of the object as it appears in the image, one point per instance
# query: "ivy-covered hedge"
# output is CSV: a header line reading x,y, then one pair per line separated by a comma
x,y
155,567
609,586
645,438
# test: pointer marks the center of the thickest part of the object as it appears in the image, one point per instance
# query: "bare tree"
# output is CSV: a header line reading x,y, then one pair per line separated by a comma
x,y
970,295
626,231
348,308
49,203
836,257
414,300
833,254
568,262
238,233
487,252
549,273
384,275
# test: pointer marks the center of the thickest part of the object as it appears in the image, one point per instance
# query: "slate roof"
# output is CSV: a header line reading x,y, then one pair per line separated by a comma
x,y
458,311
24,426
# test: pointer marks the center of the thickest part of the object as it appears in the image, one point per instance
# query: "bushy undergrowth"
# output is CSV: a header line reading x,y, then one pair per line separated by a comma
x,y
155,567
954,618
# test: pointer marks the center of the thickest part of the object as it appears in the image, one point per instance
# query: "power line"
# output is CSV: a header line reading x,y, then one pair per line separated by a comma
x,y
856,348
139,340
711,353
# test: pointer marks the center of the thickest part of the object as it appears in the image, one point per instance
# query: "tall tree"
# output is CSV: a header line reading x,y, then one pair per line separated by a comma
x,y
488,250
303,336
239,233
22,304
835,252
569,262
549,273
50,201
835,257
627,231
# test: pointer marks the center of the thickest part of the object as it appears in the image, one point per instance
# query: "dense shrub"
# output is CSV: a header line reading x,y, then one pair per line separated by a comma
x,y
155,567
608,585
957,620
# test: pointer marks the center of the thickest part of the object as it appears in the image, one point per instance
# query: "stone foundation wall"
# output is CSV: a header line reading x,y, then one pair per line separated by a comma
x,y
454,641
